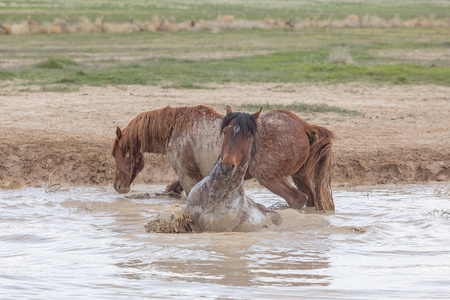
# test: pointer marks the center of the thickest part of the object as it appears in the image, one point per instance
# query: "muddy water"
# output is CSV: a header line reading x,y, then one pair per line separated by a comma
x,y
388,242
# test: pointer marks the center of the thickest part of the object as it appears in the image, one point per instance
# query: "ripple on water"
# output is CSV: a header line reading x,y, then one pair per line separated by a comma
x,y
80,241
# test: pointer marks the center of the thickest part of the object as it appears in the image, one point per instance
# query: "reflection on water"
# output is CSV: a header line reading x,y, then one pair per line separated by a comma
x,y
388,242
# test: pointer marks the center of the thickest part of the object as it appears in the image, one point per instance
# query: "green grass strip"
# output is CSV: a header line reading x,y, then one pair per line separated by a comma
x,y
298,107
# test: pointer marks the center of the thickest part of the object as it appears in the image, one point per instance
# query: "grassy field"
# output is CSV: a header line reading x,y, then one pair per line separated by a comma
x,y
193,59
298,107
197,59
120,10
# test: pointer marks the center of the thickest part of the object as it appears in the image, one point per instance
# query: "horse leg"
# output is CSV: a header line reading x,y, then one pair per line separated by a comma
x,y
187,182
174,187
280,186
303,183
273,216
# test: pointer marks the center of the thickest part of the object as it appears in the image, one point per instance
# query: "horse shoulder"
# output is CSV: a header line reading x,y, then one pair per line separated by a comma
x,y
206,144
196,198
214,214
194,151
219,220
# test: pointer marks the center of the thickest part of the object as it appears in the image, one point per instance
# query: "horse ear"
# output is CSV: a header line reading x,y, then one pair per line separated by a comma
x,y
256,114
229,109
118,133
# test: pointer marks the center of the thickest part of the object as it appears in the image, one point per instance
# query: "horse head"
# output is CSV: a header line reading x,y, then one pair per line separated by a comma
x,y
239,140
129,162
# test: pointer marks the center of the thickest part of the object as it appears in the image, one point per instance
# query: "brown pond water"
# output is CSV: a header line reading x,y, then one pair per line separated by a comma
x,y
382,243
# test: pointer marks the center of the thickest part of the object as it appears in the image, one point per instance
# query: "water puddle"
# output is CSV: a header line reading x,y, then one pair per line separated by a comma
x,y
382,242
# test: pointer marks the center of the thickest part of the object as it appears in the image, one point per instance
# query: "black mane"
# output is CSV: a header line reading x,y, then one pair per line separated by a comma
x,y
247,126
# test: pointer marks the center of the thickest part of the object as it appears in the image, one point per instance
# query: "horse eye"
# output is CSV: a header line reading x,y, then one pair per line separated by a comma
x,y
114,155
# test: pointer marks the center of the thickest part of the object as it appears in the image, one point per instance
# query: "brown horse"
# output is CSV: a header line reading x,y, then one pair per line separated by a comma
x,y
218,202
288,146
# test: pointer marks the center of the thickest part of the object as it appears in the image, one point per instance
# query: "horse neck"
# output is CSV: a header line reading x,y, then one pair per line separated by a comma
x,y
154,146
227,187
155,128
143,134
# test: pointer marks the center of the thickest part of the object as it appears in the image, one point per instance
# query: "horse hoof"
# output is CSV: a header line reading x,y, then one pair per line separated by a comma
x,y
275,218
174,187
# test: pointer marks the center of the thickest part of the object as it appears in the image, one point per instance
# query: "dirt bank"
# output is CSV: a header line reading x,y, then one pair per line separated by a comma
x,y
400,136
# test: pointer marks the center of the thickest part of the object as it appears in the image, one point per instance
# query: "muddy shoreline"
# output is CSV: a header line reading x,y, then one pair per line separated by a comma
x,y
400,136
80,163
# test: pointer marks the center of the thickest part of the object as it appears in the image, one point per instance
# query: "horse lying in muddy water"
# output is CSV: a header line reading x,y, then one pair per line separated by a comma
x,y
288,146
218,202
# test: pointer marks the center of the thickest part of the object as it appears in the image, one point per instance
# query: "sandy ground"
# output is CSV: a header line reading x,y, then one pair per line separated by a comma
x,y
402,134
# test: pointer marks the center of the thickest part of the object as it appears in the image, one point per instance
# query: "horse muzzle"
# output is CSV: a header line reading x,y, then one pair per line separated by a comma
x,y
120,188
227,171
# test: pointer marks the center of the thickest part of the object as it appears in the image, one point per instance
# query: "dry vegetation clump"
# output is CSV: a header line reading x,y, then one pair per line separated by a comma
x,y
340,55
373,21
27,27
226,22
5,29
278,24
158,24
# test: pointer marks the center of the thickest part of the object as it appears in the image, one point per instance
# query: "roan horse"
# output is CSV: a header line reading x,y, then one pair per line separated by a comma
x,y
288,146
218,202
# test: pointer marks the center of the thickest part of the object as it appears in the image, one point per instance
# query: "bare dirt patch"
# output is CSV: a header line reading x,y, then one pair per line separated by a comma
x,y
419,54
186,55
401,136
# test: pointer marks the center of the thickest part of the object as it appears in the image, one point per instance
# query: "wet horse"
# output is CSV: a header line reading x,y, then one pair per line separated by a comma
x,y
288,146
218,203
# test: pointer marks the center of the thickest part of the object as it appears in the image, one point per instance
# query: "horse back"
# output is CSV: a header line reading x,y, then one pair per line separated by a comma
x,y
283,145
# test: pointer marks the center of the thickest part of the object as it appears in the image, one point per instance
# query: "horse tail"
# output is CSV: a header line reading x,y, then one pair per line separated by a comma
x,y
319,164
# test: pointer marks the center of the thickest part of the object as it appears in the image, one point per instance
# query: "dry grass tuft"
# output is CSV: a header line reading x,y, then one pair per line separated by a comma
x,y
5,29
226,22
340,55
